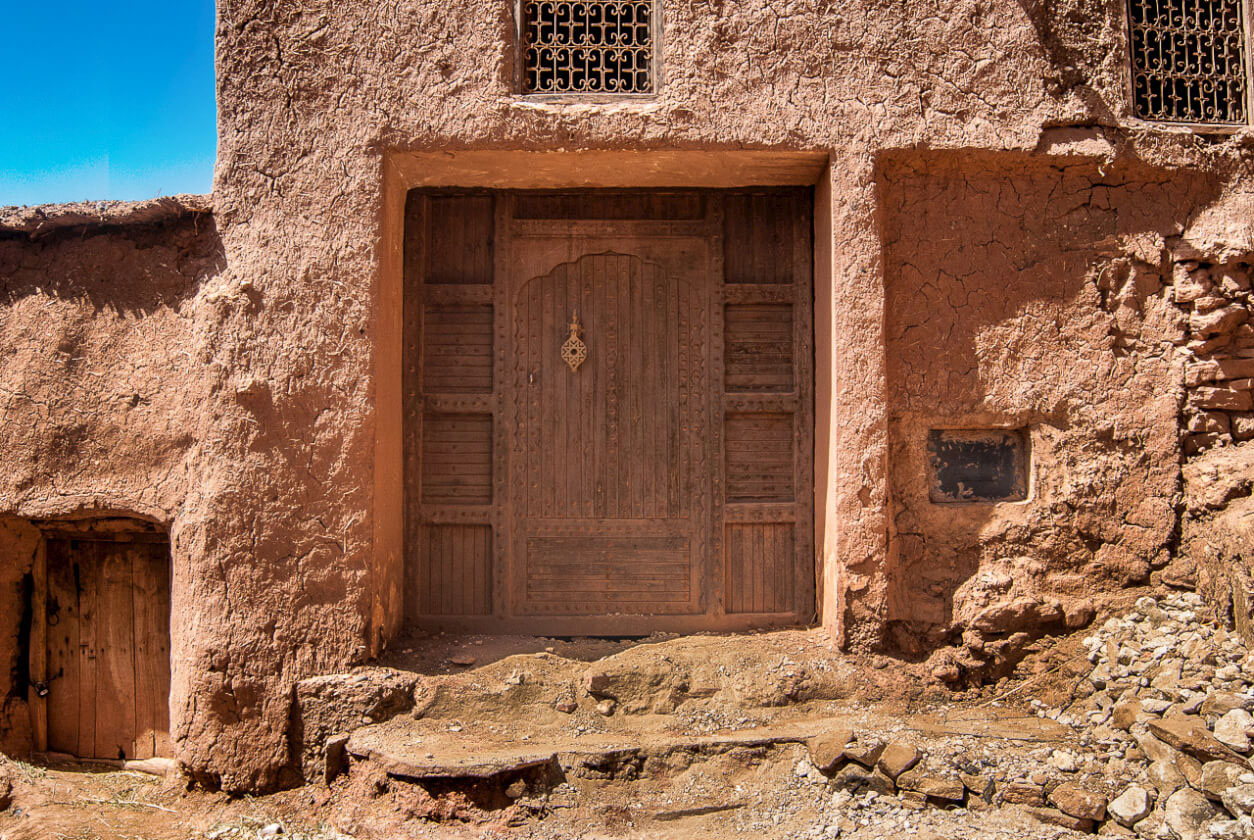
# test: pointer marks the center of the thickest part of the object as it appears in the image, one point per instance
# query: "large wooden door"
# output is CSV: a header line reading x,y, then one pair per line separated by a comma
x,y
104,613
657,479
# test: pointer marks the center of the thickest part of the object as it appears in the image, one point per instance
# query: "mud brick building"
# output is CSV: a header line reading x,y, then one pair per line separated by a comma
x,y
897,319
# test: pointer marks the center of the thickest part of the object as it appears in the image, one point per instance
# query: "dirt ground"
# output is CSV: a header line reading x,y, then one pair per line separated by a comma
x,y
719,762
749,791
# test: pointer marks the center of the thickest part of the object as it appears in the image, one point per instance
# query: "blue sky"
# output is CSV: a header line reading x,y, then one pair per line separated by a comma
x,y
106,100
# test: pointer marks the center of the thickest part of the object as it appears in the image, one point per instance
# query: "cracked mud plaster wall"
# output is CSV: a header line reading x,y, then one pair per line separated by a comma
x,y
134,381
231,395
127,386
315,97
1028,293
104,382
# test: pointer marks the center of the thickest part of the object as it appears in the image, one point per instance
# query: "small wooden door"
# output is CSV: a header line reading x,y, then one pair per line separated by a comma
x,y
609,411
103,606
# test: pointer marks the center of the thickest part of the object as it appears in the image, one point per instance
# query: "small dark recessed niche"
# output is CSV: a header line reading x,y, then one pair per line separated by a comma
x,y
977,465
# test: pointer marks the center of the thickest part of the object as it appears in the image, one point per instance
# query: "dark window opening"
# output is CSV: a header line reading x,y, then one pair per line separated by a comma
x,y
978,466
588,46
1188,61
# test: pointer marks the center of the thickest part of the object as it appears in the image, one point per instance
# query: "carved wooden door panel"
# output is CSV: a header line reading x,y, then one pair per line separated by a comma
x,y
609,463
609,411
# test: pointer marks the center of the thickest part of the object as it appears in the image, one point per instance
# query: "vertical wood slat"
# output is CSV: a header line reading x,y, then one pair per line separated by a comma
x,y
151,609
115,651
143,743
758,238
37,654
88,641
456,578
499,535
459,239
760,560
63,655
806,572
710,415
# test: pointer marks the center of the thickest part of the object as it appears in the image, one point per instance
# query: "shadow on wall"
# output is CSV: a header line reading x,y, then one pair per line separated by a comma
x,y
129,269
1027,294
98,356
1078,37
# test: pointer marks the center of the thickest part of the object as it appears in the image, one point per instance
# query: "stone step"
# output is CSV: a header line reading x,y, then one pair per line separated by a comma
x,y
409,749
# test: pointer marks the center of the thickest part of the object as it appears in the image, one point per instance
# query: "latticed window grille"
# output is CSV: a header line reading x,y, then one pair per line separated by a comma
x,y
1189,61
588,46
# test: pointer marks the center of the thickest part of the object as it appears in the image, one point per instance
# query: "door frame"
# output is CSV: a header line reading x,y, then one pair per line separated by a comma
x,y
800,293
488,168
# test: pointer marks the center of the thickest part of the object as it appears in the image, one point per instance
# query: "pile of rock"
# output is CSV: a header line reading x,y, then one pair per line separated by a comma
x,y
1172,696
862,769
1163,721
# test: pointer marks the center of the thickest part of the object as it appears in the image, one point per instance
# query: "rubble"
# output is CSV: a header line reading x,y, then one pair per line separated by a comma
x,y
1189,814
1078,802
1163,711
897,758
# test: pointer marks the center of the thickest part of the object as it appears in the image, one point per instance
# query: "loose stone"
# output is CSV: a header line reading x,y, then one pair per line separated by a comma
x,y
1131,806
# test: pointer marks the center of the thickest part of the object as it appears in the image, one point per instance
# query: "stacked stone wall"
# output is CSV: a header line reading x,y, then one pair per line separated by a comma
x,y
1219,344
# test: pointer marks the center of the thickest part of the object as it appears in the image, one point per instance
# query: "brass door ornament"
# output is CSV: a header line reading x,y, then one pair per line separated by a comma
x,y
574,351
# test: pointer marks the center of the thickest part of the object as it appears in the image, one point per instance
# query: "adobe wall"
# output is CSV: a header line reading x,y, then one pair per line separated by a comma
x,y
318,102
101,395
1210,270
230,387
1031,294
135,383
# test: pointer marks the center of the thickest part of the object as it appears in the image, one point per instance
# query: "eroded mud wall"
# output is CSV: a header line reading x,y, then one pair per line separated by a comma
x,y
98,384
315,98
1034,295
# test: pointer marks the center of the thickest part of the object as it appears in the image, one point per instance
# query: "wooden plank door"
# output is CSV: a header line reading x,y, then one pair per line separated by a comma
x,y
664,483
768,408
106,630
611,475
454,457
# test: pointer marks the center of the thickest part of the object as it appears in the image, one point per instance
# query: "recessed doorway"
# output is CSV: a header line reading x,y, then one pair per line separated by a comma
x,y
609,419
100,645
